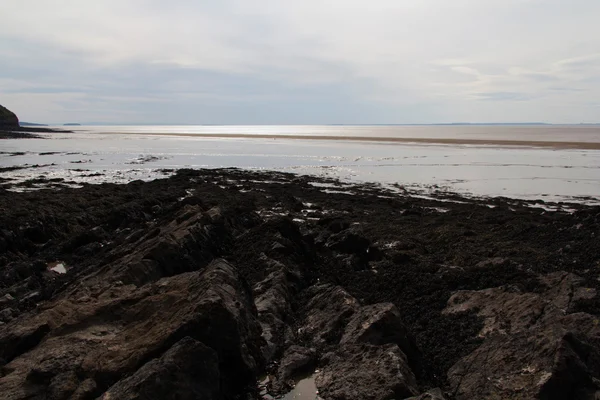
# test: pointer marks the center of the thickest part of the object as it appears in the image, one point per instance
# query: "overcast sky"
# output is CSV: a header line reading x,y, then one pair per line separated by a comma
x,y
295,62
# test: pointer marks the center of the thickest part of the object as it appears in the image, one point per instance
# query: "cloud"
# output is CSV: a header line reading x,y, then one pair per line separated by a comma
x,y
503,96
390,60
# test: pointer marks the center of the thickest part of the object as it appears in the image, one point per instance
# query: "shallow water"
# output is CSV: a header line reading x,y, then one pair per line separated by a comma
x,y
305,389
519,172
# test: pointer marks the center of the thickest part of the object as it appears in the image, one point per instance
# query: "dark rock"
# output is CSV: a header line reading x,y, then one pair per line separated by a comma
x,y
492,262
358,372
374,253
354,262
273,299
565,290
349,241
399,257
15,340
326,314
295,361
8,119
6,315
380,324
87,390
62,386
156,209
185,244
6,299
531,348
213,216
334,225
279,248
124,327
130,297
433,394
83,239
188,370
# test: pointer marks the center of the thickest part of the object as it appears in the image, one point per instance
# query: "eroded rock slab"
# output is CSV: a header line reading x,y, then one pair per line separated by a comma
x,y
326,314
380,324
363,371
531,348
274,296
114,336
189,370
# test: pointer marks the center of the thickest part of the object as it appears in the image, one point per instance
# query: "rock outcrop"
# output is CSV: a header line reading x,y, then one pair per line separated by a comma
x,y
8,119
362,371
358,344
532,348
110,337
188,371
195,285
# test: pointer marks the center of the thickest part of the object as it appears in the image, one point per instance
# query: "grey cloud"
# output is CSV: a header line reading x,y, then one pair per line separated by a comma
x,y
503,96
299,62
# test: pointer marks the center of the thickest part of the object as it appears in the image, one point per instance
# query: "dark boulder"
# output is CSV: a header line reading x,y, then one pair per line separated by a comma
x,y
349,241
380,324
365,347
326,314
531,348
360,372
296,362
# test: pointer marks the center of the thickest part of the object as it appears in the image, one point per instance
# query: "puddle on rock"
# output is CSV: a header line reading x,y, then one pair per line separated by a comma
x,y
305,389
58,266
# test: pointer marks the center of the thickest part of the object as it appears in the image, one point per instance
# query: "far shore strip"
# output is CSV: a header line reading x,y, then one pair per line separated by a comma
x,y
405,140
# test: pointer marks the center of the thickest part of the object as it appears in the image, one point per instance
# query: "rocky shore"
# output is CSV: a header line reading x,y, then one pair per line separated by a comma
x,y
200,285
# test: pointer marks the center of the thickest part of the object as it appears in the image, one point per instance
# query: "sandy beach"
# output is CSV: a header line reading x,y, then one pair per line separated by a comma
x,y
401,140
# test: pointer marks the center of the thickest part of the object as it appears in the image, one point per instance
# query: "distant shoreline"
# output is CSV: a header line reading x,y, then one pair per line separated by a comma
x,y
27,132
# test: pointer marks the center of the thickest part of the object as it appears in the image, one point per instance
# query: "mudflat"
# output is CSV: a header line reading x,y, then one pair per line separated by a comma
x,y
584,145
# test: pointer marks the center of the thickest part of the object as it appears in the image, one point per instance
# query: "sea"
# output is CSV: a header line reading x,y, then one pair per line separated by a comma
x,y
535,162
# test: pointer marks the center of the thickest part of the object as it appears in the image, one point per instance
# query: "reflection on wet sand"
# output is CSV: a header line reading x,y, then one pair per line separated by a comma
x,y
456,141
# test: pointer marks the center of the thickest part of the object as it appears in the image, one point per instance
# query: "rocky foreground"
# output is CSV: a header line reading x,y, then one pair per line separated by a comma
x,y
197,286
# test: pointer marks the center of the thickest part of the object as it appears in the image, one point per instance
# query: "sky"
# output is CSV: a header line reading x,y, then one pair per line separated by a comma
x,y
300,62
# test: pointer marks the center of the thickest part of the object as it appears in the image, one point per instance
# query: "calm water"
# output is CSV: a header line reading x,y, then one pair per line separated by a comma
x,y
520,172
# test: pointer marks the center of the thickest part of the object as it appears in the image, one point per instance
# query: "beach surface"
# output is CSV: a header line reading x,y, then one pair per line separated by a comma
x,y
518,162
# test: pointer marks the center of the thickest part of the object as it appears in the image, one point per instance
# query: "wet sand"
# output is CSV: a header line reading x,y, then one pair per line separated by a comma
x,y
403,140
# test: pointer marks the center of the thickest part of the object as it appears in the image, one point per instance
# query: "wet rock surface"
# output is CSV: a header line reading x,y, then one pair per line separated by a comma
x,y
197,285
433,394
364,371
188,370
532,348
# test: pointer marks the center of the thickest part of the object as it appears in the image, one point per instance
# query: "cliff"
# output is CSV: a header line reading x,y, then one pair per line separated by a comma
x,y
8,118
